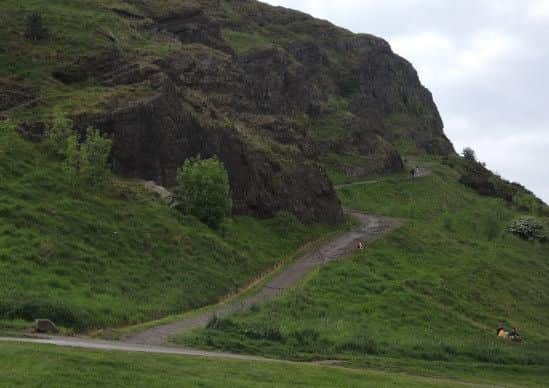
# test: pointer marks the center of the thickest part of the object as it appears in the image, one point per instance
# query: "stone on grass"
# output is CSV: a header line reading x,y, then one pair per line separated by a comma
x,y
45,326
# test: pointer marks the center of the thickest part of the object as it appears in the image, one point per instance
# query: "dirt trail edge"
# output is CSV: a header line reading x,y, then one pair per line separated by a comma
x,y
370,227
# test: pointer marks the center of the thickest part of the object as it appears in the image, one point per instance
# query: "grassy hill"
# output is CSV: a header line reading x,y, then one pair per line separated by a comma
x,y
434,290
94,257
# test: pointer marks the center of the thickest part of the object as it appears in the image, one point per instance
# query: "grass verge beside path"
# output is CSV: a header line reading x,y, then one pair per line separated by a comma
x,y
30,365
250,289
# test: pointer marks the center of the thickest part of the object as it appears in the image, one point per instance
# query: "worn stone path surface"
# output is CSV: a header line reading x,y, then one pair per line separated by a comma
x,y
370,227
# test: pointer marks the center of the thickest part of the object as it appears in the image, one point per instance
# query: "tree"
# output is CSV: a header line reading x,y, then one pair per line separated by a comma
x,y
469,154
205,190
94,155
87,162
59,133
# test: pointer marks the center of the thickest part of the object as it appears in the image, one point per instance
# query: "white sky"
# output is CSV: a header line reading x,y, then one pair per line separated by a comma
x,y
486,63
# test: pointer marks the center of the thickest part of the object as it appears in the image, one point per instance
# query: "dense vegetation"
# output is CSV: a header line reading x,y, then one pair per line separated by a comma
x,y
204,190
107,255
434,290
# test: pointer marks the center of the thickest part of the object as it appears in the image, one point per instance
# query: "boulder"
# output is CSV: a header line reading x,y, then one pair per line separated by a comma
x,y
45,326
161,192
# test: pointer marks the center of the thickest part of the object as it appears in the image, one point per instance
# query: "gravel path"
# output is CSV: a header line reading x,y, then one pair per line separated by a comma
x,y
370,228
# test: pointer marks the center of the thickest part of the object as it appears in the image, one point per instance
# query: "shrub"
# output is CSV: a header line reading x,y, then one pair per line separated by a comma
x,y
94,155
34,28
59,133
528,228
87,162
469,154
204,190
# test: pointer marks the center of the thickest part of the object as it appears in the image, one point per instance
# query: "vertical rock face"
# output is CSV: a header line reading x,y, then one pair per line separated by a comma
x,y
278,95
153,139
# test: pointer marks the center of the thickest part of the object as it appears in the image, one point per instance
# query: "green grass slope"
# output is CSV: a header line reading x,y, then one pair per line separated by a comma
x,y
434,290
96,257
47,366
76,29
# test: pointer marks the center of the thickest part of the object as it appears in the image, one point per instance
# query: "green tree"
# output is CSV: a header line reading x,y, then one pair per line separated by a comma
x,y
93,157
87,162
469,154
205,190
59,133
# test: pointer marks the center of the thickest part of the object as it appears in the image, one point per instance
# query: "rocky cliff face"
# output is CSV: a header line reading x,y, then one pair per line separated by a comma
x,y
279,96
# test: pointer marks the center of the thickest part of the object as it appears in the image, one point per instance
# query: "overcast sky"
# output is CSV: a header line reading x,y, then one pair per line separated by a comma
x,y
486,63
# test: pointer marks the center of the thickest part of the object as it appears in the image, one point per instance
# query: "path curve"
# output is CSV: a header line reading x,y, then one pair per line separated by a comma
x,y
370,228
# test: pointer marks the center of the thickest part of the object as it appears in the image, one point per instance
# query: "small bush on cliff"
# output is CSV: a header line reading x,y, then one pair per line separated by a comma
x,y
94,155
528,228
34,28
204,190
87,162
59,133
469,154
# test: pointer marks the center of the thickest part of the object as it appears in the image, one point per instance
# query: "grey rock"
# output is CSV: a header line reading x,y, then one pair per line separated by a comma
x,y
45,326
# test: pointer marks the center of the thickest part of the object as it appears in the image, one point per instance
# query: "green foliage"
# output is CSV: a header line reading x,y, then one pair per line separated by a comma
x,y
205,190
87,162
34,28
59,132
528,228
469,154
94,155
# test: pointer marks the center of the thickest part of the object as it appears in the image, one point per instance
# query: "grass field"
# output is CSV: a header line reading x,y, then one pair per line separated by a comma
x,y
116,255
47,366
435,290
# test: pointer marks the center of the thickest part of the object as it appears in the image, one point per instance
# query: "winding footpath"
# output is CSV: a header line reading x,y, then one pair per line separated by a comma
x,y
153,340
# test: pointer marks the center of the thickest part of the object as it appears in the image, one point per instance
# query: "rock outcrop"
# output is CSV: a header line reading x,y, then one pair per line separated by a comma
x,y
279,96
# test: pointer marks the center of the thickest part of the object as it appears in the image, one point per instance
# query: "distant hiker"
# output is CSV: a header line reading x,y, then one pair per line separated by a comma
x,y
514,335
360,245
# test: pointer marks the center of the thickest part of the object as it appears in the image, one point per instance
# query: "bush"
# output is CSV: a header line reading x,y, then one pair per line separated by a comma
x,y
528,228
34,28
469,154
59,133
87,161
94,155
204,190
